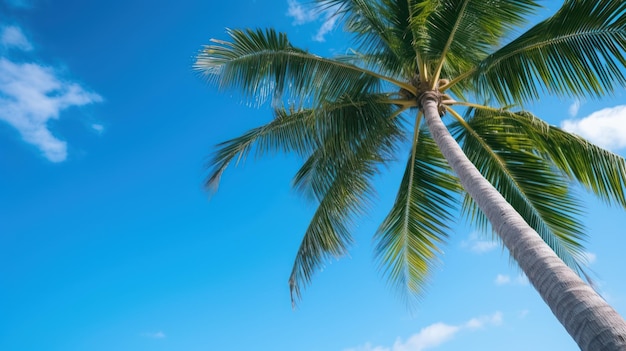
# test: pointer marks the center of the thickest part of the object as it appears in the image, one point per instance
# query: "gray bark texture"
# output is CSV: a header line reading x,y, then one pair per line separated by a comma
x,y
587,317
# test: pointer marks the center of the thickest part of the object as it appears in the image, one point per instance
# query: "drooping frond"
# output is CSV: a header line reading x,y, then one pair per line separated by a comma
x,y
289,131
264,64
328,234
357,137
409,239
509,159
342,127
596,169
577,52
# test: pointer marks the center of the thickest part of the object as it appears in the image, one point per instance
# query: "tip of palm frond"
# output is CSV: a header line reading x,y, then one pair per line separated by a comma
x,y
212,180
410,295
294,293
212,183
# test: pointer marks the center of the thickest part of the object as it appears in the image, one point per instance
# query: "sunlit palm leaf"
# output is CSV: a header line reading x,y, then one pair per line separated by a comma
x,y
598,170
328,234
264,64
343,127
380,28
530,183
564,54
383,62
288,132
357,137
409,239
465,31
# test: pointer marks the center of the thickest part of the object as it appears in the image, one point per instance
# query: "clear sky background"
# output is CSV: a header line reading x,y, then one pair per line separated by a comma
x,y
108,241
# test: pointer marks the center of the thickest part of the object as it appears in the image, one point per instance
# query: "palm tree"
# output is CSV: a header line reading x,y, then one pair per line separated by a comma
x,y
414,62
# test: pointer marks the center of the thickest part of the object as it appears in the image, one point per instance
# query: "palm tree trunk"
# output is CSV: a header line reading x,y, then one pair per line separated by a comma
x,y
592,323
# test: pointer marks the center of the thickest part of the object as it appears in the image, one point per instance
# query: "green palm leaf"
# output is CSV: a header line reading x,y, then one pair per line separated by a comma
x,y
328,234
409,239
563,54
531,184
343,127
461,33
287,132
380,29
357,137
264,64
598,170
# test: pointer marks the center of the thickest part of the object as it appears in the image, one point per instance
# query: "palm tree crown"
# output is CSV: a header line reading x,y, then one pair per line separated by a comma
x,y
413,62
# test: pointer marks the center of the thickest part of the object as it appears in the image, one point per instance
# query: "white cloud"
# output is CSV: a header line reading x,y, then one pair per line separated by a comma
x,y
13,37
477,244
503,279
98,127
305,14
157,335
483,321
32,94
605,128
300,14
428,338
434,335
326,27
573,108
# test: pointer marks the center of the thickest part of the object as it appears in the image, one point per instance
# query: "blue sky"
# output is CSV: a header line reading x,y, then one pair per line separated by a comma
x,y
108,241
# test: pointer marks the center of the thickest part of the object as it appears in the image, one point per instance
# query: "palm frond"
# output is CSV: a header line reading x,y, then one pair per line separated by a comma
x,y
383,62
461,33
380,28
328,234
356,136
409,239
289,131
563,55
531,184
264,64
342,128
596,169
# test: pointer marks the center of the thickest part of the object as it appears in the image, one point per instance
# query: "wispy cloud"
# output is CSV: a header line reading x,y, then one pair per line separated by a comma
x,y
154,335
434,335
98,127
573,108
300,13
13,37
32,94
327,26
477,244
503,279
605,128
303,14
